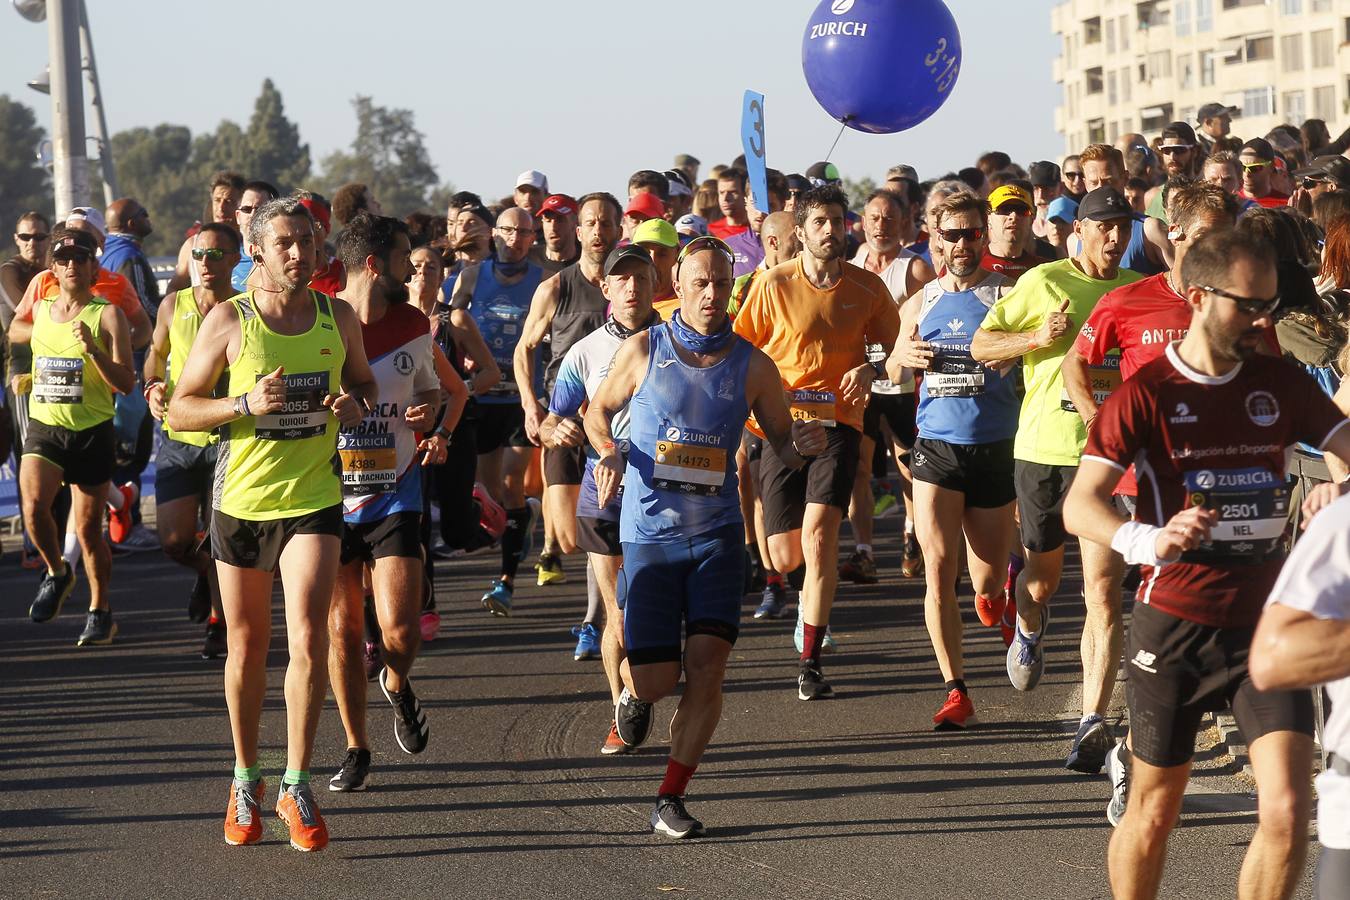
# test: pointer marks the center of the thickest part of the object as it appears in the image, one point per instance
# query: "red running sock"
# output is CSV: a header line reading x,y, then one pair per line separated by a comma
x,y
773,578
677,778
813,636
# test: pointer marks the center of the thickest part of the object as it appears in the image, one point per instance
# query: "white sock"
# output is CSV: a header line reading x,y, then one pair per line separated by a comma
x,y
116,499
864,548
71,550
909,525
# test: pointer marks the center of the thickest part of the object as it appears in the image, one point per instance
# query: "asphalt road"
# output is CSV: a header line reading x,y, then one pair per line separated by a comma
x,y
115,762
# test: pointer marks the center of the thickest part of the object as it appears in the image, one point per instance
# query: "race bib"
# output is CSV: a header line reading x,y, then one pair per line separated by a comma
x,y
689,461
813,406
58,379
1253,508
303,414
369,463
954,375
1105,378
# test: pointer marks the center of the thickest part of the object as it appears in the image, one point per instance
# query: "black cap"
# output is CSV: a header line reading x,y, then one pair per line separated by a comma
x,y
627,251
1103,204
74,242
1332,168
1260,147
1179,131
1213,111
825,172
798,183
1043,173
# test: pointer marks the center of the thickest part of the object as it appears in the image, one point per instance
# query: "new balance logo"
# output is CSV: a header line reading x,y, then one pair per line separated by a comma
x,y
1145,660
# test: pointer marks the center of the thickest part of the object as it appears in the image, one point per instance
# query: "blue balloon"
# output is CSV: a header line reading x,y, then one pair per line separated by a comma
x,y
881,66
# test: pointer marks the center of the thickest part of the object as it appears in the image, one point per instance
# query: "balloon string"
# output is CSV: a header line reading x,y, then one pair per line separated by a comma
x,y
837,137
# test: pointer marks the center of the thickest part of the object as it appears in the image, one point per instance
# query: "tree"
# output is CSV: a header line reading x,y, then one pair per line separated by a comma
x,y
273,149
24,183
153,165
389,155
858,191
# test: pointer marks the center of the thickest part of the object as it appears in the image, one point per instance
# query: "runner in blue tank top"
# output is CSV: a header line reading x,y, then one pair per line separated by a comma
x,y
962,460
688,385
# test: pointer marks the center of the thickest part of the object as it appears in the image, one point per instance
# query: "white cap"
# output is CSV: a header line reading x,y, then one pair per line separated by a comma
x,y
692,225
91,217
679,188
533,178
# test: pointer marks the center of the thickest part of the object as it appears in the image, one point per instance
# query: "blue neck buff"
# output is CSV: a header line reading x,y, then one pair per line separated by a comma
x,y
695,342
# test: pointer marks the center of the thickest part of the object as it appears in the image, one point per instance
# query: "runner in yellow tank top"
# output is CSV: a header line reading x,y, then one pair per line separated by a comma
x,y
81,354
186,463
297,370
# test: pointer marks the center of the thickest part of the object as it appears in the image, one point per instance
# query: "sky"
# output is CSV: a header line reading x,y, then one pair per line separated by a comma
x,y
586,91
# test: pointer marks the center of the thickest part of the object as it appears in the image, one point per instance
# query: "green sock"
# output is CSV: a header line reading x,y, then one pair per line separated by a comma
x,y
248,773
295,776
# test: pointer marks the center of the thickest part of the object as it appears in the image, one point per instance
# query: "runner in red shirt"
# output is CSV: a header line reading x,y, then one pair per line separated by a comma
x,y
1258,168
1012,214
1208,427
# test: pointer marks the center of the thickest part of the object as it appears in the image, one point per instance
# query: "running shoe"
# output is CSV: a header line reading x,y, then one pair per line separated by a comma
x,y
119,520
859,568
632,719
243,817
296,807
673,820
1090,746
550,570
613,743
373,656
99,628
1026,658
527,540
588,641
431,625
491,515
215,645
138,540
886,505
497,600
956,712
798,636
775,598
410,723
52,594
911,558
354,772
990,609
199,601
811,685
1118,771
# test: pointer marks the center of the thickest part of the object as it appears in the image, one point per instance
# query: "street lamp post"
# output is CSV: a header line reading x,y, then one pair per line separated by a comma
x,y
70,166
105,156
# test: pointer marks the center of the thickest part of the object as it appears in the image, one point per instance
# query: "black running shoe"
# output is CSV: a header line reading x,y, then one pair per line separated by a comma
x,y
811,685
1090,746
410,723
199,601
673,820
99,628
52,593
354,772
215,646
632,719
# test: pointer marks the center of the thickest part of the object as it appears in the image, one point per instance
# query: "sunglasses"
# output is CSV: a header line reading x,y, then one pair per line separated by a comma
x,y
246,210
1012,209
1073,174
1256,166
704,242
35,238
1171,149
956,235
1249,305
215,254
72,259
1310,183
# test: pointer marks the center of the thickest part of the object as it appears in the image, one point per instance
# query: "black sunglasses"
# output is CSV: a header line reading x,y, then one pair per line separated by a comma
x,y
1175,148
1251,306
955,235
35,238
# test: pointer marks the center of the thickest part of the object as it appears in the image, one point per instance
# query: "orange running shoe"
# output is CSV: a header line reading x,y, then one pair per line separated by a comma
x,y
613,743
243,817
955,713
296,807
990,609
119,520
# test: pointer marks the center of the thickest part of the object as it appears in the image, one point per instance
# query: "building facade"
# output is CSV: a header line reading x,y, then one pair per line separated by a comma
x,y
1135,65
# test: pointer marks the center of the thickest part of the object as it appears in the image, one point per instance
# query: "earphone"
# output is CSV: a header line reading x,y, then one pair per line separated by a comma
x,y
257,258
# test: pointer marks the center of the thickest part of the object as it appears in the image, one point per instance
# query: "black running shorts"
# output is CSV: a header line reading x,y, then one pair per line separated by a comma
x,y
250,544
898,411
85,457
983,472
1040,503
826,479
184,470
564,465
397,534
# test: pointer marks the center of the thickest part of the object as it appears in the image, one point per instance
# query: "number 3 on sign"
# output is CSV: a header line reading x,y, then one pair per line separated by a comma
x,y
752,141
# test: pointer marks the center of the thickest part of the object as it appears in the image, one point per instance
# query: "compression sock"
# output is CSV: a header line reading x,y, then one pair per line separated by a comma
x,y
513,539
295,776
677,778
772,577
71,550
957,684
593,598
248,773
797,577
813,637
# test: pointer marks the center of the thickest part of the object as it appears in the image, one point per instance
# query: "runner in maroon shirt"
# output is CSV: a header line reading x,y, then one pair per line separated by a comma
x,y
1208,427
1010,239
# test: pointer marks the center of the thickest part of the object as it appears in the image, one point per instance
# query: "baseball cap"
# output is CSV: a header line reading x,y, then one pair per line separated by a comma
x,y
691,225
1043,173
645,203
902,171
656,231
73,243
1062,209
678,183
533,178
822,173
1213,111
1104,204
798,183
1260,148
1334,168
318,211
89,216
627,251
1010,193
561,204
1178,134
